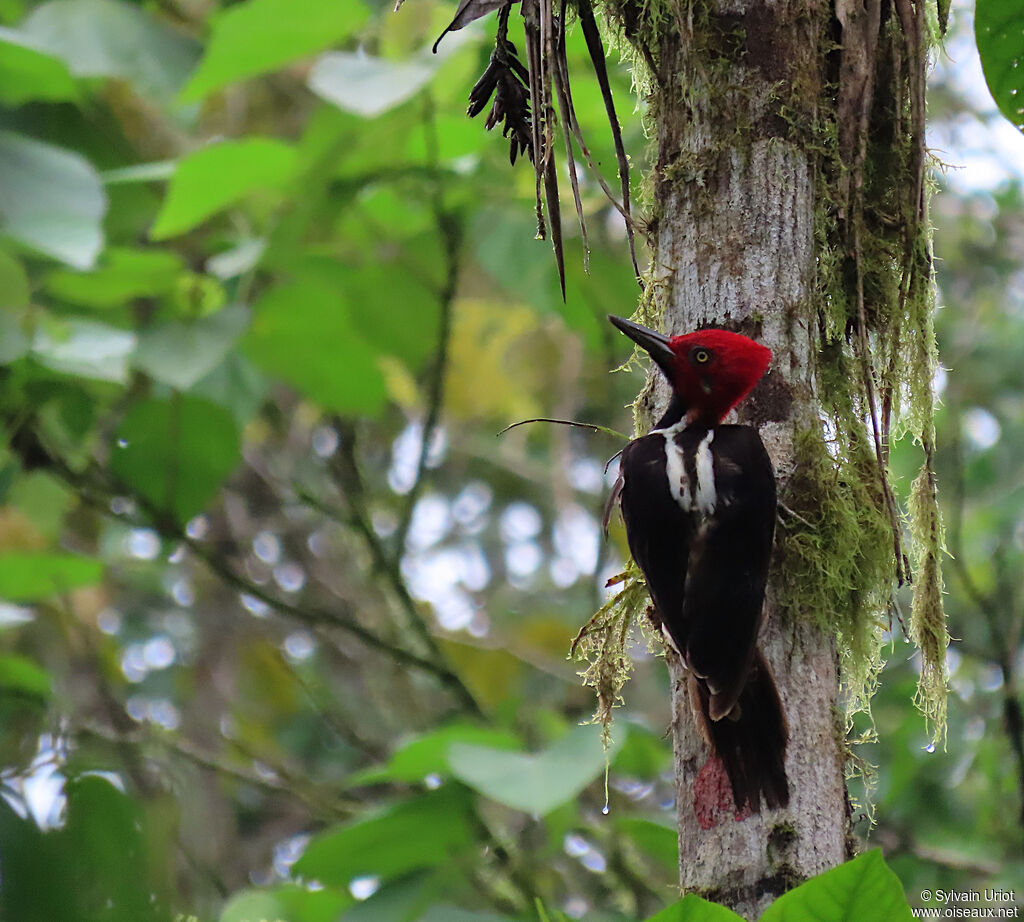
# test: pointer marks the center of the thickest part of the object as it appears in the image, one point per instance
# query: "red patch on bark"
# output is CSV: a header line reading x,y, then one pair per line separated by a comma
x,y
712,796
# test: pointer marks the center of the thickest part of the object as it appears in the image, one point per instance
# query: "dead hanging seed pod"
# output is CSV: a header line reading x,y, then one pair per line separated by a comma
x,y
525,97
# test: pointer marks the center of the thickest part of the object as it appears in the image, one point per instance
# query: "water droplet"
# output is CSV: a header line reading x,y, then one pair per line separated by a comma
x,y
606,809
122,443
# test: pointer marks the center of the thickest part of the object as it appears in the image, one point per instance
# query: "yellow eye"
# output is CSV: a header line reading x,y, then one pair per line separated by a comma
x,y
701,356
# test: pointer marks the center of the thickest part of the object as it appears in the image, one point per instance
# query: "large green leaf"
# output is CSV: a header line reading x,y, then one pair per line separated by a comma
x,y
175,453
215,177
533,782
28,72
50,200
405,318
429,831
262,35
107,38
366,85
181,352
999,30
691,908
83,348
121,276
302,334
29,575
863,888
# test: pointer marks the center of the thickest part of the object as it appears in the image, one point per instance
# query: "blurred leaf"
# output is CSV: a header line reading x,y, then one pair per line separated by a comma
x,y
691,908
29,73
175,453
428,753
428,831
368,86
51,200
13,341
107,38
535,783
106,849
262,35
863,888
252,905
302,333
656,840
235,385
139,173
26,576
999,29
84,348
644,754
179,353
21,675
401,900
216,177
122,275
299,904
14,291
405,320
443,913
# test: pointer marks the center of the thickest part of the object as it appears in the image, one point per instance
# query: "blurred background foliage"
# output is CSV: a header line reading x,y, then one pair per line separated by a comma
x,y
285,624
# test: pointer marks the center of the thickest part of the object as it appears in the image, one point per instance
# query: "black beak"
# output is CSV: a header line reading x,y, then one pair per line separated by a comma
x,y
653,342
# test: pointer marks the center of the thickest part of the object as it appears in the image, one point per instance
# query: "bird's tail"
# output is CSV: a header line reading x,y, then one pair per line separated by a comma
x,y
750,740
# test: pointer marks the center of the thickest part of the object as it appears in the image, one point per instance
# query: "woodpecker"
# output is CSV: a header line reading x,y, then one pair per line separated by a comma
x,y
698,501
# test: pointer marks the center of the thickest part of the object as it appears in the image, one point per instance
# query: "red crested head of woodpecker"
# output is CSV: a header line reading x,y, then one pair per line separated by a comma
x,y
710,371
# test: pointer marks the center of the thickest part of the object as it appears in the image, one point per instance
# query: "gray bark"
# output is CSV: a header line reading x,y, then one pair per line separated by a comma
x,y
735,188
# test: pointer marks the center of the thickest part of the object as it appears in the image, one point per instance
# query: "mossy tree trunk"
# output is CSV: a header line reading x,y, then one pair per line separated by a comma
x,y
742,98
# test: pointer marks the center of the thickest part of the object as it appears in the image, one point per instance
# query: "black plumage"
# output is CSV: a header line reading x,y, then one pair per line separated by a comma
x,y
699,507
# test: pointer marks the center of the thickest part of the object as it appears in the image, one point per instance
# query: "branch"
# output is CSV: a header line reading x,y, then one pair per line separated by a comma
x,y
450,230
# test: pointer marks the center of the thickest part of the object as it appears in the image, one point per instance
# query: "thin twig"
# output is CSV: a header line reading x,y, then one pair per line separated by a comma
x,y
566,422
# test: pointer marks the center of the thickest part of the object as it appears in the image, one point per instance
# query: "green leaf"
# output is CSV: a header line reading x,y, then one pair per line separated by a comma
x,y
252,906
14,343
122,275
406,316
50,200
656,840
262,35
535,783
107,38
179,353
218,176
235,385
999,30
84,348
429,831
175,453
302,334
287,901
428,754
369,86
14,291
22,676
691,908
29,73
26,576
863,888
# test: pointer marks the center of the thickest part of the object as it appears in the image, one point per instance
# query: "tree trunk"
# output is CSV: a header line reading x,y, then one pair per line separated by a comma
x,y
734,239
